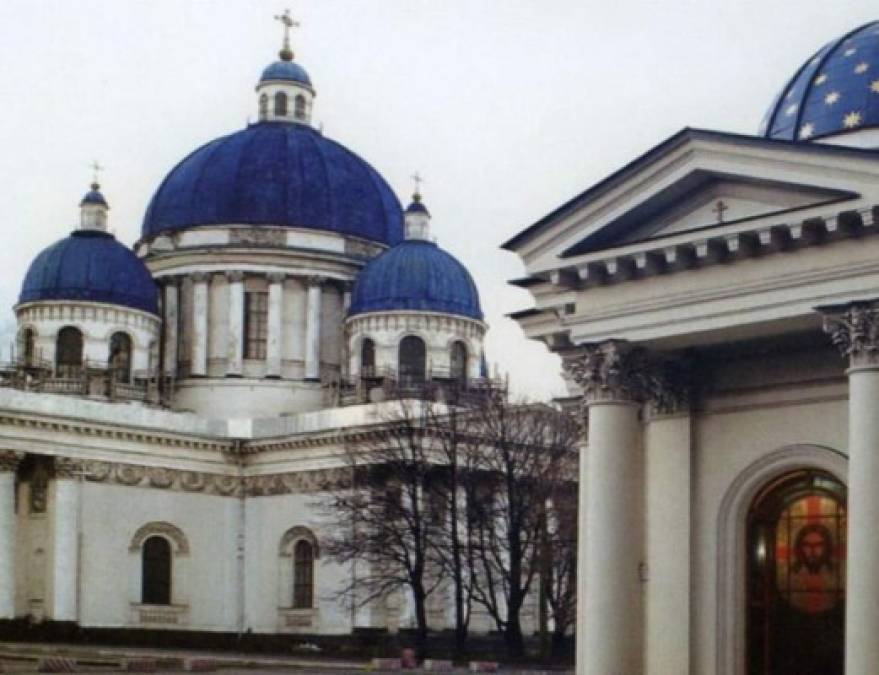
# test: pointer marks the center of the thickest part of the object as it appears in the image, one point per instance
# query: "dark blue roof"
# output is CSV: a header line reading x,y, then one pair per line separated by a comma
x,y
286,71
93,196
417,207
837,90
92,266
277,173
416,275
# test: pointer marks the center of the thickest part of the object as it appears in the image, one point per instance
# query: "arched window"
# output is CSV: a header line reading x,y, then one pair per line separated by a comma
x,y
458,362
68,352
120,357
303,575
367,358
156,571
796,558
27,347
412,360
280,104
263,106
299,107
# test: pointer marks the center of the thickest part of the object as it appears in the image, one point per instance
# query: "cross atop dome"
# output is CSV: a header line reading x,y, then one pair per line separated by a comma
x,y
416,215
93,207
288,22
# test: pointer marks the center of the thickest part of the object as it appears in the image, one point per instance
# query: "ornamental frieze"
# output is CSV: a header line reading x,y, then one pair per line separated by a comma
x,y
131,475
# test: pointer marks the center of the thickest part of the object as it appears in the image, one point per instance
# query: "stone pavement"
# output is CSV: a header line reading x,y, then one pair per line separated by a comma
x,y
18,657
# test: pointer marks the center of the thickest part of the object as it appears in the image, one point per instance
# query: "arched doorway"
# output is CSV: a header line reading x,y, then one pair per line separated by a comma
x,y
412,361
796,567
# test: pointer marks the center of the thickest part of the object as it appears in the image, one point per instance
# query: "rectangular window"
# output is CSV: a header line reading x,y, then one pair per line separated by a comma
x,y
256,320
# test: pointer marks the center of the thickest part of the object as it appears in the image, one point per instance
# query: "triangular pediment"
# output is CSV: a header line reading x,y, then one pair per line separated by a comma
x,y
703,199
697,183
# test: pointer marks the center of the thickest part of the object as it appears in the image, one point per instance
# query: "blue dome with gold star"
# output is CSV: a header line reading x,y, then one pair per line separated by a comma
x,y
836,91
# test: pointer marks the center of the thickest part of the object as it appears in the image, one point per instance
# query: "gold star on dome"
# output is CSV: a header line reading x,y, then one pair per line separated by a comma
x,y
821,79
851,52
832,97
861,68
791,109
806,131
852,120
874,86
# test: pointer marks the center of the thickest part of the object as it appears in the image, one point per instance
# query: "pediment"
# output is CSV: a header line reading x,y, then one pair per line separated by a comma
x,y
695,185
703,199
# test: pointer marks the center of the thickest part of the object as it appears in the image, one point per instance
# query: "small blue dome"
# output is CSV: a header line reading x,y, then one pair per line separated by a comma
x,y
416,275
285,71
94,196
835,91
276,173
91,266
417,207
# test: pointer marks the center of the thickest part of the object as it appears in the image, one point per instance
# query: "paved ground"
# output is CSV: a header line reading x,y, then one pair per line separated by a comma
x,y
22,658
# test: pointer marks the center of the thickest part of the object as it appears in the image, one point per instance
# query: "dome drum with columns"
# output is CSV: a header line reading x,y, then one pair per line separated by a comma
x,y
267,259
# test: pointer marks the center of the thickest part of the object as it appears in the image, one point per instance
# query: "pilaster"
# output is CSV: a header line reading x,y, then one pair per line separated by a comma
x,y
199,357
9,461
312,328
275,324
235,342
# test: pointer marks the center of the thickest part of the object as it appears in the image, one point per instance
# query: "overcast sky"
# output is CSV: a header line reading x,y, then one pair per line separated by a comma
x,y
507,107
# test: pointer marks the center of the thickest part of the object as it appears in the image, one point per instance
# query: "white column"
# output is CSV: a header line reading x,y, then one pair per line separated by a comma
x,y
172,319
65,528
312,329
668,474
235,343
854,328
275,325
610,538
199,351
9,461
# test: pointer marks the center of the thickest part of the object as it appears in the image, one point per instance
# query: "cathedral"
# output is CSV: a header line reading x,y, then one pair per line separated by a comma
x,y
715,304
172,409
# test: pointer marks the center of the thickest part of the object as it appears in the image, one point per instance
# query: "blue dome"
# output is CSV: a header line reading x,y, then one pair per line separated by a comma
x,y
286,71
276,173
94,196
91,266
835,91
416,275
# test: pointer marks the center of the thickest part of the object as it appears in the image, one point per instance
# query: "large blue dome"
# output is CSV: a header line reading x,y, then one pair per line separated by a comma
x,y
835,91
91,266
416,275
276,173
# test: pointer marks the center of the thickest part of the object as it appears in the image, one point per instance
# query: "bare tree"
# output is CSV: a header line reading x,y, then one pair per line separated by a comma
x,y
559,563
520,456
381,515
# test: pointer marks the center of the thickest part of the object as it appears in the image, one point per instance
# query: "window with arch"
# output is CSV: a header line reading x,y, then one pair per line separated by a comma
x,y
412,360
281,104
367,358
156,571
303,575
68,352
458,362
796,569
263,106
120,357
27,348
299,107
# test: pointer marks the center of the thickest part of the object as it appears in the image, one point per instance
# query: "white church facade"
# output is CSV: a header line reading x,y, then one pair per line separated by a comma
x,y
172,411
716,306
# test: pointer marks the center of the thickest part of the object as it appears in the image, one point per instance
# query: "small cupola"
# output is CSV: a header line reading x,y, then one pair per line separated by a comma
x,y
284,91
93,208
416,215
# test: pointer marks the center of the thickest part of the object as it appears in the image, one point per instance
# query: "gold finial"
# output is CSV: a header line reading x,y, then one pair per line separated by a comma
x,y
96,169
416,196
288,22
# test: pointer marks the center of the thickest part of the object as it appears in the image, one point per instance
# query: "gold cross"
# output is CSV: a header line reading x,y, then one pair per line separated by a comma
x,y
96,169
418,181
288,23
719,208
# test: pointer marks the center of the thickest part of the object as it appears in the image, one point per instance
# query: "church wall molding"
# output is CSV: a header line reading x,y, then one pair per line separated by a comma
x,y
730,572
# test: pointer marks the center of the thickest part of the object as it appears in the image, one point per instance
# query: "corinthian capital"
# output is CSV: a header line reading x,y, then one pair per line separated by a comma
x,y
607,371
10,459
854,329
669,387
